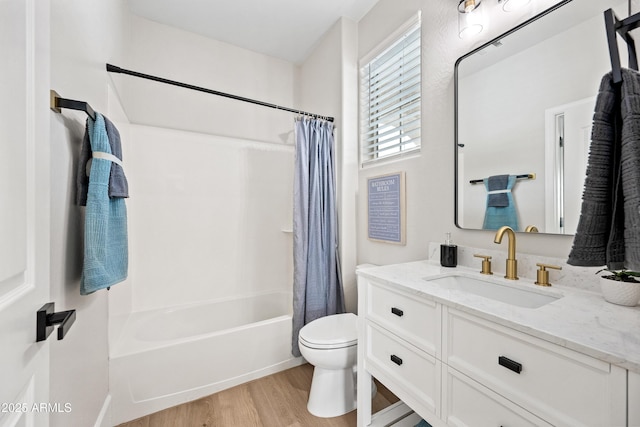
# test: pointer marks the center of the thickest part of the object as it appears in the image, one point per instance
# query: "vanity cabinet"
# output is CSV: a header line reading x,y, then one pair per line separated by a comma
x,y
456,369
399,344
634,399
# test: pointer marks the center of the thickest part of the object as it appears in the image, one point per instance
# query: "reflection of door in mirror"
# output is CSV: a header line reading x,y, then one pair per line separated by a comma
x,y
567,139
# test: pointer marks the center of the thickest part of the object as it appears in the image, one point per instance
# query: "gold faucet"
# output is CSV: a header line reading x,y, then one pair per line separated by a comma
x,y
512,264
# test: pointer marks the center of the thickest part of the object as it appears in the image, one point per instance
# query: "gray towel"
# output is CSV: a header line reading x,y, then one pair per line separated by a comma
x,y
118,185
608,231
497,182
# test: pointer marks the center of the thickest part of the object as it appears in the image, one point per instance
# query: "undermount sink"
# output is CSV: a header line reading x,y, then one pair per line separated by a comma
x,y
520,297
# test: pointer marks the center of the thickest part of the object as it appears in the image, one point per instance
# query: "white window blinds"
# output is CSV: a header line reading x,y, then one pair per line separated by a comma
x,y
390,99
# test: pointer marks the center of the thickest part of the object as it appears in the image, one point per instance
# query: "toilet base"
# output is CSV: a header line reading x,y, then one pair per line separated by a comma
x,y
332,392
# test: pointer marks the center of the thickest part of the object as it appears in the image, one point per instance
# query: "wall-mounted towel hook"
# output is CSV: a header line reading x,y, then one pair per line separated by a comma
x,y
46,319
614,26
57,103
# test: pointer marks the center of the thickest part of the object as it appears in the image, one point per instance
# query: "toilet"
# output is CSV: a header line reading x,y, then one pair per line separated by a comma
x,y
330,344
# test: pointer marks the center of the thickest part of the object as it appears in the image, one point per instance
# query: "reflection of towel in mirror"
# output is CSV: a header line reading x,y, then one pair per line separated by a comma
x,y
499,213
105,231
497,190
608,231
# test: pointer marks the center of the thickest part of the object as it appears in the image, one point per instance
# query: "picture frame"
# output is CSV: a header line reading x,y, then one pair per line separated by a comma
x,y
386,208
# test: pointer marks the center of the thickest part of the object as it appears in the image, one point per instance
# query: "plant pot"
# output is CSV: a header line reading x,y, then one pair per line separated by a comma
x,y
621,293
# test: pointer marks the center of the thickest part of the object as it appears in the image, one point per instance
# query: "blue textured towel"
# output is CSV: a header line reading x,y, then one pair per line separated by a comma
x,y
422,423
118,185
105,231
497,216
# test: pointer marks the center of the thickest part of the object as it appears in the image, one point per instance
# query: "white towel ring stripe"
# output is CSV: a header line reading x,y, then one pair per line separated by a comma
x,y
107,156
499,191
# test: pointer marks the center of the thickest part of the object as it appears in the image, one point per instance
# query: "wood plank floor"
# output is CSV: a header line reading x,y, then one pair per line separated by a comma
x,y
278,400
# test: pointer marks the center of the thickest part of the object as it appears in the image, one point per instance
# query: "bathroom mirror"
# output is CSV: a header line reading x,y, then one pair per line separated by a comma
x,y
524,105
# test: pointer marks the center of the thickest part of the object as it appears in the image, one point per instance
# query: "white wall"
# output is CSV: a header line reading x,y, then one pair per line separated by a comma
x,y
179,55
84,35
430,176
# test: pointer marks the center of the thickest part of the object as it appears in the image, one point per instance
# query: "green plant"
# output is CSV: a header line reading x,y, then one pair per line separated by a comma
x,y
623,275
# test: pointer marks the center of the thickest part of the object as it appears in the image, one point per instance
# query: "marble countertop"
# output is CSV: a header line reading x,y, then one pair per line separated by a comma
x,y
580,320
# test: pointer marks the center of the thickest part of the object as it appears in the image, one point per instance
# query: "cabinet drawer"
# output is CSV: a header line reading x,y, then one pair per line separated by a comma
x,y
467,403
415,319
417,372
559,385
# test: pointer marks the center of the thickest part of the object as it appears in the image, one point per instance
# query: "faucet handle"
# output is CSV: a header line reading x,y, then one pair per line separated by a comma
x,y
486,263
543,274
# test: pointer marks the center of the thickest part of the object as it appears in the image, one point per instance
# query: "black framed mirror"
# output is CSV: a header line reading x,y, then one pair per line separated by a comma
x,y
523,108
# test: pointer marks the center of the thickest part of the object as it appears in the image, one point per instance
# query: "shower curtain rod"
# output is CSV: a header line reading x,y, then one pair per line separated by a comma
x,y
115,69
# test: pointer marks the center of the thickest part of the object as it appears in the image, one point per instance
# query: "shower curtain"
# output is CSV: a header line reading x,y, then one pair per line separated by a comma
x,y
317,284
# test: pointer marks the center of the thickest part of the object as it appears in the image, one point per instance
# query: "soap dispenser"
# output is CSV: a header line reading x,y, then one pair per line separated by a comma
x,y
448,253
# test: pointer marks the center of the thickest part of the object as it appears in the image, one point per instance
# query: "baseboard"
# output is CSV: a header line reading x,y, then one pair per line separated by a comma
x,y
104,417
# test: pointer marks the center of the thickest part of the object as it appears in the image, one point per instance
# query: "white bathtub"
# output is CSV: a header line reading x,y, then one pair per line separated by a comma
x,y
171,356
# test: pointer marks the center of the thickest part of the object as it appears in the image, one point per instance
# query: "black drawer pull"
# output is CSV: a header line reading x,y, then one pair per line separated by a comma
x,y
510,364
397,311
395,359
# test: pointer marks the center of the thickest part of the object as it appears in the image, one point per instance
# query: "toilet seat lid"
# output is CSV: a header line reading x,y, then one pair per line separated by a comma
x,y
335,331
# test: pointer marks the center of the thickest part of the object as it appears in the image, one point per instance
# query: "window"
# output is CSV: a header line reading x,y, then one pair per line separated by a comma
x,y
390,99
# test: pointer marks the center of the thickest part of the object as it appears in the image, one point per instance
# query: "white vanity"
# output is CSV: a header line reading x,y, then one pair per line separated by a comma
x,y
459,358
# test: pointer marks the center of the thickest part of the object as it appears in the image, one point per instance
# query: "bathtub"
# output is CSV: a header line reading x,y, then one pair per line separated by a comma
x,y
166,357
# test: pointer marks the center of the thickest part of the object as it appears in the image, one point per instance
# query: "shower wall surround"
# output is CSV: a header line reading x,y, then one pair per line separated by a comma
x,y
210,177
208,216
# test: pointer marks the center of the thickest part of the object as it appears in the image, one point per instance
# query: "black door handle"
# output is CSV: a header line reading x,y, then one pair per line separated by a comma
x,y
397,311
46,318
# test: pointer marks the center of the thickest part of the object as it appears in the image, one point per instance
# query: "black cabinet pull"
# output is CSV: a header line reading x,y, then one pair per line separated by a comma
x,y
397,311
510,364
395,359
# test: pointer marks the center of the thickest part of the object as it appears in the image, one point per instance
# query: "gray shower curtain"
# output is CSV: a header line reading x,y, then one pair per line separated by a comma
x,y
317,283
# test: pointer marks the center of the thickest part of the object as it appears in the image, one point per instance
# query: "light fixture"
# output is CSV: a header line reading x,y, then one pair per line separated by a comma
x,y
470,19
511,5
469,5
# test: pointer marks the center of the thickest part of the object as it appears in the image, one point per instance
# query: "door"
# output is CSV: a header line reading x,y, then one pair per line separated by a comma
x,y
568,137
24,210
